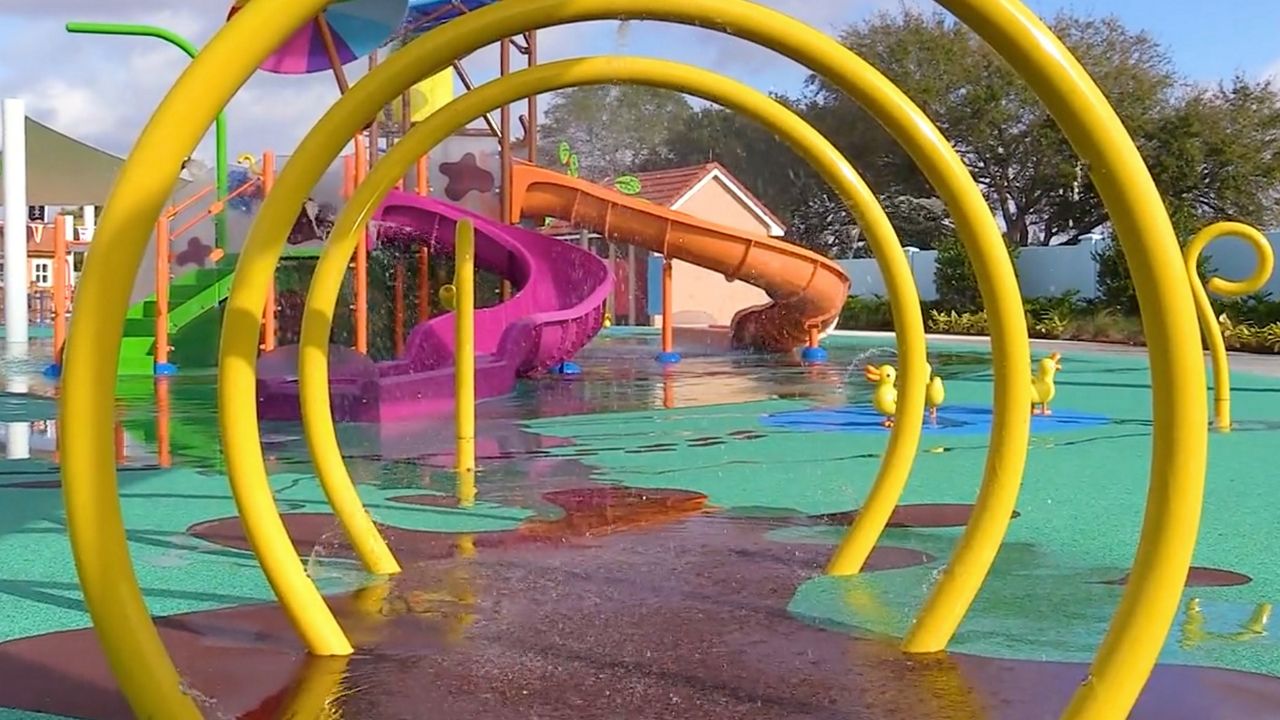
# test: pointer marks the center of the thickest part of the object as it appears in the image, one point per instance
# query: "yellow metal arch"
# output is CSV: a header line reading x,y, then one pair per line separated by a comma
x,y
124,627
1179,443
1150,601
349,230
1227,288
1010,346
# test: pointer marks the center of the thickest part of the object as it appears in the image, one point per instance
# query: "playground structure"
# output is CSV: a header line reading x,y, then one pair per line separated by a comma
x,y
128,635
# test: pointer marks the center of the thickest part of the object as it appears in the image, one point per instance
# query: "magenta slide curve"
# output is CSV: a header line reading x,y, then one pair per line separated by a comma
x,y
556,307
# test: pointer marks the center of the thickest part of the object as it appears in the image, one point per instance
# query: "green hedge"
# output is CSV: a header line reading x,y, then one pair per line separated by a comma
x,y
1250,324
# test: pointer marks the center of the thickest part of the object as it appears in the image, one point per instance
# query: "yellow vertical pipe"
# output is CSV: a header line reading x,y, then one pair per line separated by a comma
x,y
464,314
1227,288
146,675
362,259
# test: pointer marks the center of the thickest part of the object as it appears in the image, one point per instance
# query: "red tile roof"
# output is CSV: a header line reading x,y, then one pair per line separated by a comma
x,y
665,187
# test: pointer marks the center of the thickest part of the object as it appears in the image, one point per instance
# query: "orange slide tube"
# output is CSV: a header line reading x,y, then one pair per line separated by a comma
x,y
807,290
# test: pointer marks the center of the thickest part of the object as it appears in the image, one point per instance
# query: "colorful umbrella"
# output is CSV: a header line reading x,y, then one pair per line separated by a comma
x,y
427,14
357,28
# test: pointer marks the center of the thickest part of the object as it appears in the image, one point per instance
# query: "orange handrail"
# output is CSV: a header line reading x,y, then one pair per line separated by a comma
x,y
164,250
213,209
173,211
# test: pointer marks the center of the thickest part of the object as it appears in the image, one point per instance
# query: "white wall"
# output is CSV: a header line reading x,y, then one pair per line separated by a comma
x,y
1048,271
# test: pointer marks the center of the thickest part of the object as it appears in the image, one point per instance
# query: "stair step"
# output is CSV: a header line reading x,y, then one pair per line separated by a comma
x,y
179,295
139,327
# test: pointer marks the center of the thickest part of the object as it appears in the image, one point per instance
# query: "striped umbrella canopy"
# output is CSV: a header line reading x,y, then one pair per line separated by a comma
x,y
427,14
356,27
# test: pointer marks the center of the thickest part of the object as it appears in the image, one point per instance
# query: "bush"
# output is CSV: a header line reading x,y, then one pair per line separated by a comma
x,y
1249,324
862,313
954,278
1115,284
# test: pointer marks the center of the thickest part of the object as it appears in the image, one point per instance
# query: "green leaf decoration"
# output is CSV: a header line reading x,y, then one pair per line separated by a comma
x,y
627,185
565,152
573,165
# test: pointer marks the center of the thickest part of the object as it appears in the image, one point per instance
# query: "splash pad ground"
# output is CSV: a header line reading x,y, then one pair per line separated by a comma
x,y
626,554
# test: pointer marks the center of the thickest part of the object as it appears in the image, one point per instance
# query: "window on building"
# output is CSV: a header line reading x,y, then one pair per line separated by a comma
x,y
42,273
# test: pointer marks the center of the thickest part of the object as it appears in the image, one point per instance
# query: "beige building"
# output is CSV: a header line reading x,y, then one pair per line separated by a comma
x,y
700,297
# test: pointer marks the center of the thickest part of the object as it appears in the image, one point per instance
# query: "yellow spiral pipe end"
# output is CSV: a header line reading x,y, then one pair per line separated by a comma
x,y
448,295
1209,324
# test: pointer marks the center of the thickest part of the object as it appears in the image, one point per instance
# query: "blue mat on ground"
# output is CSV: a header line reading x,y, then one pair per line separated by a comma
x,y
952,420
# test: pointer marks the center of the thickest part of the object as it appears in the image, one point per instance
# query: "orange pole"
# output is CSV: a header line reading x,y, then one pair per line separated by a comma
x,y
813,337
399,327
163,448
504,145
424,254
362,260
424,284
269,312
162,290
668,337
60,227
119,440
424,177
348,176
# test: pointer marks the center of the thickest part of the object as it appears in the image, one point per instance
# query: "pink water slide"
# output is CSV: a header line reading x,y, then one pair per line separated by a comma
x,y
556,308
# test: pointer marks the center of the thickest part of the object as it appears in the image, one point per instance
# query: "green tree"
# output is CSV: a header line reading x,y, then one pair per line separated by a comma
x,y
1215,155
1016,153
757,157
614,129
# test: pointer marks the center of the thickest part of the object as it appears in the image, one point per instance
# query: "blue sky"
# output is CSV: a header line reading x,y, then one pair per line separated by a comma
x,y
103,89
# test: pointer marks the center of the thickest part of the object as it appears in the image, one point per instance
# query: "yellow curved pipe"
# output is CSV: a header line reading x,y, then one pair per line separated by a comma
x,y
1168,533
904,440
1179,409
137,657
1227,288
977,228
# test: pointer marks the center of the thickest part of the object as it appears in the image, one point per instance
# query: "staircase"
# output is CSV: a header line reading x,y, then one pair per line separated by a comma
x,y
192,326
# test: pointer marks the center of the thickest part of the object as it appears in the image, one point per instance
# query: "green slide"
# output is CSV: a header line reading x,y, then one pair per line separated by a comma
x,y
195,300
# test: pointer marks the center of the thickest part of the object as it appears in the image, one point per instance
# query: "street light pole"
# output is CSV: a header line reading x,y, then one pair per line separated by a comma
x,y
220,125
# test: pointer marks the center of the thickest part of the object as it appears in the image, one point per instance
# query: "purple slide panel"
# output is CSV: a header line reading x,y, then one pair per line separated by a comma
x,y
556,307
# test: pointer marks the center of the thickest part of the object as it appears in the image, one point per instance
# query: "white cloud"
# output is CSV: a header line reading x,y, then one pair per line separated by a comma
x,y
103,89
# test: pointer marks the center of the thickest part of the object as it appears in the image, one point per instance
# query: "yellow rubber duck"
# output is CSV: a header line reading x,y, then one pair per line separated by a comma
x,y
934,394
1042,388
885,397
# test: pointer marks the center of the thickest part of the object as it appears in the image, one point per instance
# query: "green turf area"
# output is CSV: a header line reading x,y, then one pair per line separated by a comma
x,y
1080,508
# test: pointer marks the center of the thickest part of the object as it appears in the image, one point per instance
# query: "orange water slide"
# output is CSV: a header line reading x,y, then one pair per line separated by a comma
x,y
806,289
